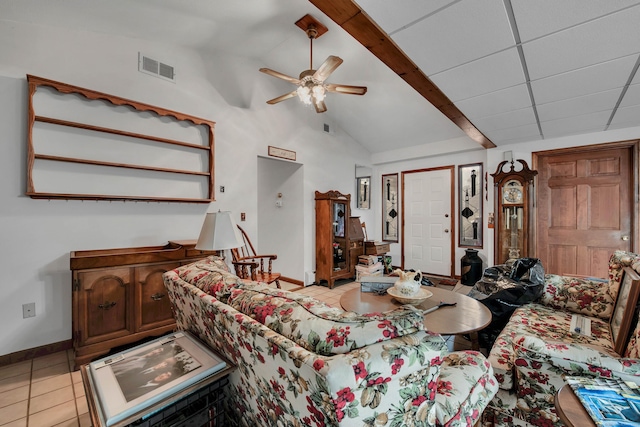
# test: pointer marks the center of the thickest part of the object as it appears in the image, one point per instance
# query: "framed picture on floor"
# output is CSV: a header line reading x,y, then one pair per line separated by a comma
x,y
390,209
133,380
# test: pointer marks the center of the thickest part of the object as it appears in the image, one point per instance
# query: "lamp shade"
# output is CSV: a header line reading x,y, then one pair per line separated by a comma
x,y
219,232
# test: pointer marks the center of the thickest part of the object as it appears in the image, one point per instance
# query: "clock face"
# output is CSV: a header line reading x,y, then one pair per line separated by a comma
x,y
512,192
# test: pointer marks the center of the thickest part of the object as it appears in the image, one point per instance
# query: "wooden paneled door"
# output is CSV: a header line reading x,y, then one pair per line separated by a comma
x,y
586,207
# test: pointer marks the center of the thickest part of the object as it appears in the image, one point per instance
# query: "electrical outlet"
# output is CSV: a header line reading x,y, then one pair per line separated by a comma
x,y
29,310
222,188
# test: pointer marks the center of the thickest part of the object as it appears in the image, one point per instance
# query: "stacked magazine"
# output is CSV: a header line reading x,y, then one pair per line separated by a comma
x,y
611,402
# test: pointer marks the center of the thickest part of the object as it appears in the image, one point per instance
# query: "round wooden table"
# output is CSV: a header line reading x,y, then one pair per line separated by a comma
x,y
468,316
570,410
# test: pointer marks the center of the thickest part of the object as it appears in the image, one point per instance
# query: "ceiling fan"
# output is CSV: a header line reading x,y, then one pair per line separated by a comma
x,y
311,84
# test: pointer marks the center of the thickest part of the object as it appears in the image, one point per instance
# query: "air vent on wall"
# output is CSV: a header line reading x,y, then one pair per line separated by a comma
x,y
155,68
328,128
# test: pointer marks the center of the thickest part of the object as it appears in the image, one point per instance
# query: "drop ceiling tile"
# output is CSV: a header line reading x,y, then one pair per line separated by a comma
x,y
584,45
489,74
581,105
632,97
465,31
597,78
574,125
390,17
520,132
626,117
540,17
500,101
515,118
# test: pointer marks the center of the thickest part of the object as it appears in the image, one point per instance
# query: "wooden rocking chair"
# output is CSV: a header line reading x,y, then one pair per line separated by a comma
x,y
250,265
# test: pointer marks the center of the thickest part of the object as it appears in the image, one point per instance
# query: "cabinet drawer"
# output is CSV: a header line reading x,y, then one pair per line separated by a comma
x,y
377,249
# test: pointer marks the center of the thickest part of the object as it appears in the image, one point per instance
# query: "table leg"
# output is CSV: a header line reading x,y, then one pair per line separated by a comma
x,y
475,343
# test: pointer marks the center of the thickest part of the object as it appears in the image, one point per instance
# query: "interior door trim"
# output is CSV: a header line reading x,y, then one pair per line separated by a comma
x,y
452,233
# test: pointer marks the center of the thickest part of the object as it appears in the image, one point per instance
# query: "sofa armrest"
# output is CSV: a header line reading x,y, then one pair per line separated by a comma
x,y
588,296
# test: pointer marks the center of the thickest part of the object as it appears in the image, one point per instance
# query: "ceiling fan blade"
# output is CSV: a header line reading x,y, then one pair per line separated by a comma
x,y
351,90
320,107
280,75
282,97
327,67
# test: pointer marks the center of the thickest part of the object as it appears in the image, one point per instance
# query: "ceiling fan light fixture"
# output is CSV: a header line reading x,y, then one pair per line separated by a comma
x,y
304,93
311,91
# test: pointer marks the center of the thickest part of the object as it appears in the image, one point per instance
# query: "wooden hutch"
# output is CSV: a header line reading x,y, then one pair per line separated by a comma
x,y
339,241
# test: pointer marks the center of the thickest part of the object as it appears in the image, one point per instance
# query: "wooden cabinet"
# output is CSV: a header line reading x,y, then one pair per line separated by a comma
x,y
337,248
119,295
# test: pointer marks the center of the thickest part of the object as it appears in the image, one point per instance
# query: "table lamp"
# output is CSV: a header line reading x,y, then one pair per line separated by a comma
x,y
219,232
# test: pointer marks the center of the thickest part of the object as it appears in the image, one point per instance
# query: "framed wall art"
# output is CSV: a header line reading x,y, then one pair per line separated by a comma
x,y
363,186
470,205
624,308
390,211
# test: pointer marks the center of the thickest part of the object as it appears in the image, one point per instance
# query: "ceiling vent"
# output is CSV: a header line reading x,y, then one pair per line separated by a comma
x,y
155,68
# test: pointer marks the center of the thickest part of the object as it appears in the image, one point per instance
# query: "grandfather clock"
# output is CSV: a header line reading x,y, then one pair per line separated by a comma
x,y
514,211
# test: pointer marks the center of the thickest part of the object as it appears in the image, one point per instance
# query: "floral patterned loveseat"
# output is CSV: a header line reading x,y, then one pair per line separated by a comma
x,y
536,349
302,363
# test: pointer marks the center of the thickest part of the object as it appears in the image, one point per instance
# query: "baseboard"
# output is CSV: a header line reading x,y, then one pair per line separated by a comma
x,y
31,353
294,281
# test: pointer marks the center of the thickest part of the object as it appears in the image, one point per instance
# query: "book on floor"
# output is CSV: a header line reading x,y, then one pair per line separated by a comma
x,y
610,402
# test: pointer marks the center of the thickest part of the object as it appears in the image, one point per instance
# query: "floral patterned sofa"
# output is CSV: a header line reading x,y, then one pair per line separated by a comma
x,y
536,349
302,363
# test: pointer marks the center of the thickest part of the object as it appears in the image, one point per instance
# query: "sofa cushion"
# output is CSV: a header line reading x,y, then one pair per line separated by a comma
x,y
318,327
210,275
546,323
591,297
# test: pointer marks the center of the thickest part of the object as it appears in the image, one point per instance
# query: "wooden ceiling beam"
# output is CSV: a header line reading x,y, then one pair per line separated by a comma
x,y
348,15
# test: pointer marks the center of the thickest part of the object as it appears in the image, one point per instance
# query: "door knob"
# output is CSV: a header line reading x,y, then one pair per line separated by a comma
x,y
446,215
446,230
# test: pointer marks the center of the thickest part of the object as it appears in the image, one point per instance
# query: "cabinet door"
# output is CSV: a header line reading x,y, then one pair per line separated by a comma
x,y
151,296
103,305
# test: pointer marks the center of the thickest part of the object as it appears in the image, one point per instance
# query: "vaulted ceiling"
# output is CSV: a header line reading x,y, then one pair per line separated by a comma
x,y
498,71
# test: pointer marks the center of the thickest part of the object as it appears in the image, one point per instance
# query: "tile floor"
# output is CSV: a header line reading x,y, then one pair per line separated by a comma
x,y
46,392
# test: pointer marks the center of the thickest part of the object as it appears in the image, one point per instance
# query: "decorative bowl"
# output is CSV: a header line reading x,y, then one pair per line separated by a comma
x,y
416,299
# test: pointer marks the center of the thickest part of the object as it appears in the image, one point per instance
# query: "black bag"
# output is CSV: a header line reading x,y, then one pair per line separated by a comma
x,y
508,287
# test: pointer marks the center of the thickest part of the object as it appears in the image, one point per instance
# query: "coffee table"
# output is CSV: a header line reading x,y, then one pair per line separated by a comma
x,y
570,410
468,316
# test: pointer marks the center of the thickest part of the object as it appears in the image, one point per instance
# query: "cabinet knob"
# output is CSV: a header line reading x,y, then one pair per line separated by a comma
x,y
625,238
446,230
106,305
157,297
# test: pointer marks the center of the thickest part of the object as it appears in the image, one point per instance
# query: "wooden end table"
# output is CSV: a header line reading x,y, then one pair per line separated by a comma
x,y
468,316
570,410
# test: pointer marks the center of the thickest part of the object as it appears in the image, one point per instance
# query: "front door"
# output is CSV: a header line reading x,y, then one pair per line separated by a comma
x,y
585,207
427,222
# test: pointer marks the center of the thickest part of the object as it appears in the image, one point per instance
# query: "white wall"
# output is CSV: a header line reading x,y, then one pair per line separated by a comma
x,y
422,157
277,226
38,235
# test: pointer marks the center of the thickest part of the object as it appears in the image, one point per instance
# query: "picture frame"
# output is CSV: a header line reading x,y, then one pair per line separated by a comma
x,y
624,309
363,191
390,207
470,206
136,379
